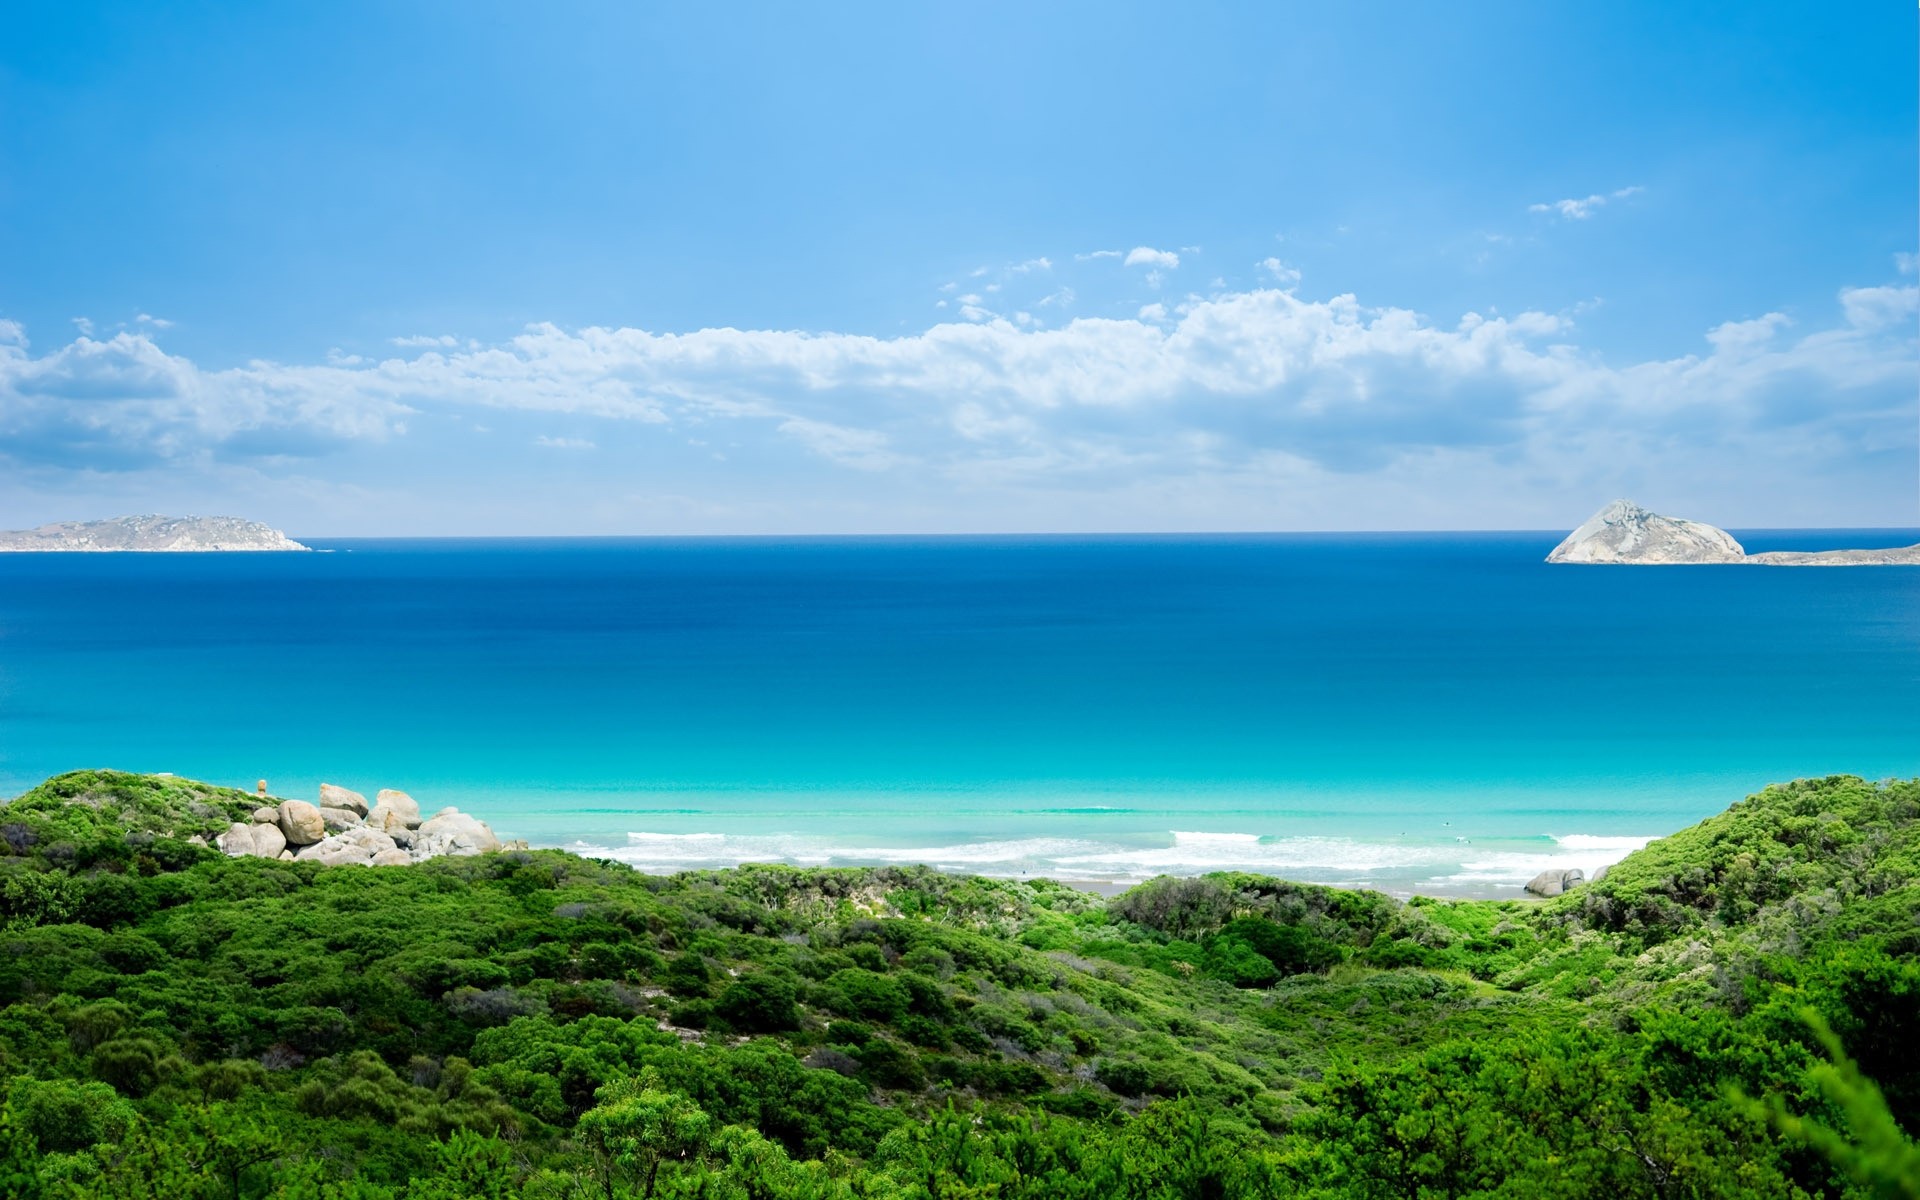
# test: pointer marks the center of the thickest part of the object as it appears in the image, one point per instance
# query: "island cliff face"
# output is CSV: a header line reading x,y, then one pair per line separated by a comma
x,y
151,533
1623,532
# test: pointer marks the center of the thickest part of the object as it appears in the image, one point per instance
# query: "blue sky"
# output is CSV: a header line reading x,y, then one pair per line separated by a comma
x,y
476,268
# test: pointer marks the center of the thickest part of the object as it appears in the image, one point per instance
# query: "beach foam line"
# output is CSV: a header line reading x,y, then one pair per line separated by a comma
x,y
1185,852
1585,841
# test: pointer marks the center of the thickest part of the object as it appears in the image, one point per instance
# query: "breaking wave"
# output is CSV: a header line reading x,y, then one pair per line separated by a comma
x,y
1454,862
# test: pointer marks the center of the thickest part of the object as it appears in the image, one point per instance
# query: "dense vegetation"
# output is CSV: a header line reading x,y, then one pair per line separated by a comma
x,y
178,1024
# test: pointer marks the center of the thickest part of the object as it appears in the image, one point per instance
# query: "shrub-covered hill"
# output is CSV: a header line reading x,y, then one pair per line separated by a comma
x,y
177,1023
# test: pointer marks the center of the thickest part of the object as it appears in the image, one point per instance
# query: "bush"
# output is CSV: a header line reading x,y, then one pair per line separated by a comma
x,y
861,993
687,976
758,1003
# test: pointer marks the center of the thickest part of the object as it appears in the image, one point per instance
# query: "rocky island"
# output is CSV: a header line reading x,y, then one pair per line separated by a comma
x,y
150,533
1625,533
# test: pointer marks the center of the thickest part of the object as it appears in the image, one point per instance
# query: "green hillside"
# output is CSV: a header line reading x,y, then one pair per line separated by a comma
x,y
180,1024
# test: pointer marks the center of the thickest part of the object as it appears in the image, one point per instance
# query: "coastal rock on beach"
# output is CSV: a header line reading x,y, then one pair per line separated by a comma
x,y
301,822
390,834
1623,532
386,820
399,802
337,819
150,533
251,841
1553,882
335,796
457,832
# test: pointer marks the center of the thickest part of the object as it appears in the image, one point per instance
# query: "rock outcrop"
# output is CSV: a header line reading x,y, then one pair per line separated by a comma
x,y
151,533
451,831
405,807
1555,882
1893,556
390,834
301,822
255,841
334,796
1623,532
338,819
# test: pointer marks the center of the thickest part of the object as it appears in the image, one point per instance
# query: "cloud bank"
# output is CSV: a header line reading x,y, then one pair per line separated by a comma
x,y
1262,386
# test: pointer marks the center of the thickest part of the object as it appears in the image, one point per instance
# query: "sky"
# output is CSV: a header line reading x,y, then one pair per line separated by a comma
x,y
476,268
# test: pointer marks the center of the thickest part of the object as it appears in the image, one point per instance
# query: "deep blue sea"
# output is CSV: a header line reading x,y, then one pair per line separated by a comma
x,y
1442,713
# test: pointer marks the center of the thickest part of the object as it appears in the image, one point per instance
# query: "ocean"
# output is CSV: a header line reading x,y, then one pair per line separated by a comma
x,y
1430,713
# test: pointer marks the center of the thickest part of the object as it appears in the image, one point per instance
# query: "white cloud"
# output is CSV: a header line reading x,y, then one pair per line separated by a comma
x,y
1580,210
864,449
1281,272
425,340
1260,388
84,325
1878,307
1032,264
1904,263
1097,254
156,322
1147,256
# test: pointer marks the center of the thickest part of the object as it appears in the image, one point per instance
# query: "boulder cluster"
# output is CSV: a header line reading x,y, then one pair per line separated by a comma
x,y
343,829
1554,883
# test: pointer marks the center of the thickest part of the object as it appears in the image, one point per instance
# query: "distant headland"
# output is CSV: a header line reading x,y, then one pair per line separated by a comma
x,y
150,534
1625,533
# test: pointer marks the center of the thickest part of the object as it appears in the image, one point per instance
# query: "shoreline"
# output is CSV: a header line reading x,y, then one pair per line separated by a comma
x,y
1401,885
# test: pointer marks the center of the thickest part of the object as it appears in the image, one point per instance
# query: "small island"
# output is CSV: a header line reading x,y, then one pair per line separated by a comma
x,y
150,534
1625,533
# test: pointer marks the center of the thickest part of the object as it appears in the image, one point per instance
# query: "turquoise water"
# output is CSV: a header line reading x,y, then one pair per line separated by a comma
x,y
1431,712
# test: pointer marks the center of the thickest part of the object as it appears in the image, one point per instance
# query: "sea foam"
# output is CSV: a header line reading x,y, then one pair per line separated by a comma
x,y
1451,861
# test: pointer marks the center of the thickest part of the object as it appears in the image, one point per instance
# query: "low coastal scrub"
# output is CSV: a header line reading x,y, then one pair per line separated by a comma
x,y
1733,1011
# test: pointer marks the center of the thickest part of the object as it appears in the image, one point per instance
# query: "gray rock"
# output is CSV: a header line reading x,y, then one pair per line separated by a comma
x,y
251,841
286,856
236,841
370,840
1623,532
451,831
400,802
392,858
358,846
268,841
267,815
301,823
337,819
387,820
1553,882
1598,875
334,796
335,853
